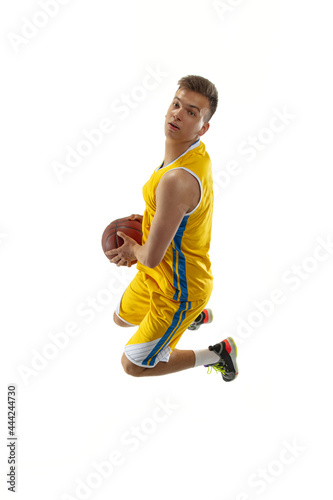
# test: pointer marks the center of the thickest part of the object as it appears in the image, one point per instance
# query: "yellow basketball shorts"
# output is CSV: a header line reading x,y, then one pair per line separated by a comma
x,y
161,320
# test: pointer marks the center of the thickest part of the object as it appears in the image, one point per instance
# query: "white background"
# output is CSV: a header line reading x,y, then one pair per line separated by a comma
x,y
216,440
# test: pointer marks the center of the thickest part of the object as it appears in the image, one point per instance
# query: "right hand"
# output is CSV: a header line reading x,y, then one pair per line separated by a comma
x,y
139,218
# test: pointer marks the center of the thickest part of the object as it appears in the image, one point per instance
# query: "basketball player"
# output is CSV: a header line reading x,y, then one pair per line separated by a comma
x,y
174,280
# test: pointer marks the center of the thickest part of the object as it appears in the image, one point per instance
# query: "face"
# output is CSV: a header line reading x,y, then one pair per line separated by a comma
x,y
185,119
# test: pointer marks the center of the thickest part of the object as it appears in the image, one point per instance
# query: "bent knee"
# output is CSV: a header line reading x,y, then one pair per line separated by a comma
x,y
119,321
130,368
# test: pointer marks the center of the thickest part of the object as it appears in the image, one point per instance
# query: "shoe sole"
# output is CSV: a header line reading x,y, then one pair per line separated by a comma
x,y
232,351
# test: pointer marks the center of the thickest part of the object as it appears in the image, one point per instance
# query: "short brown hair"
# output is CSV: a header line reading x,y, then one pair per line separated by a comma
x,y
203,87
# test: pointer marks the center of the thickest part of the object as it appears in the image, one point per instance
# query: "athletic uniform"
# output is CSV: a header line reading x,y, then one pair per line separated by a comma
x,y
165,300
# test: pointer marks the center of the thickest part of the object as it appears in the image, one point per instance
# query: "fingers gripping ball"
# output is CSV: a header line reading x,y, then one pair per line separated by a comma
x,y
132,228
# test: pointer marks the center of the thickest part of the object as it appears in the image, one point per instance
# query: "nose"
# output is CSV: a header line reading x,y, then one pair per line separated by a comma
x,y
177,113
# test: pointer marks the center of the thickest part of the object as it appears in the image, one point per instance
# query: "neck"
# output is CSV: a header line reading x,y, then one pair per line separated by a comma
x,y
174,150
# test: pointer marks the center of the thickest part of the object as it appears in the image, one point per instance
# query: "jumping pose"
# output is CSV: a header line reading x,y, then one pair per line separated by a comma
x,y
174,280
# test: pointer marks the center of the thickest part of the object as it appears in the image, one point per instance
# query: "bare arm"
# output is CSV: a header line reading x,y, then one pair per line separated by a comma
x,y
175,196
178,192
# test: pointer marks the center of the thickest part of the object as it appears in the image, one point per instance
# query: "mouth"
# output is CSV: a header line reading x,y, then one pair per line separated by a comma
x,y
172,126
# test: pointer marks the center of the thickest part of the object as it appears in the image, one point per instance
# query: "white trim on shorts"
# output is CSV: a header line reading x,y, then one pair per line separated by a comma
x,y
118,315
137,353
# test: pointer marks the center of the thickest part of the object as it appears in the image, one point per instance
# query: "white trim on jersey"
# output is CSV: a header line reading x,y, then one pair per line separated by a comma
x,y
194,145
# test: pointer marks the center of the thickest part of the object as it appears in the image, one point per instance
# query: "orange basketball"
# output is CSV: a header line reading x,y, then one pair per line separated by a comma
x,y
110,239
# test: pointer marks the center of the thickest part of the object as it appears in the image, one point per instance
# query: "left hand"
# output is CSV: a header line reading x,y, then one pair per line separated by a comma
x,y
124,255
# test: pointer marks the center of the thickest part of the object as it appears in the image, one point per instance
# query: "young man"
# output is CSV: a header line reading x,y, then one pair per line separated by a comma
x,y
174,280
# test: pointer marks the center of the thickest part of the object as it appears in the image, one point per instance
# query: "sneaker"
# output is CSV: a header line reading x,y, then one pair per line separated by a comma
x,y
206,316
227,365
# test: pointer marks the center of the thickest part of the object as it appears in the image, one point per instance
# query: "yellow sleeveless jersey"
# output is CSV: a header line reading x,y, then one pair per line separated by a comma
x,y
184,274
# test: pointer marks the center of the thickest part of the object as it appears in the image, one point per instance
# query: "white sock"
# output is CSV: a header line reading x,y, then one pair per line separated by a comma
x,y
205,357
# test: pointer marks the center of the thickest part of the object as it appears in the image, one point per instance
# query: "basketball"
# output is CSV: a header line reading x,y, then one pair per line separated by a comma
x,y
110,239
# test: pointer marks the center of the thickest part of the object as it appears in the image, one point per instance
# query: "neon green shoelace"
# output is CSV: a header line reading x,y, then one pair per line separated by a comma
x,y
217,368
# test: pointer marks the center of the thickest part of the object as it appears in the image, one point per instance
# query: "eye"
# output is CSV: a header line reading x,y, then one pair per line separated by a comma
x,y
176,104
191,113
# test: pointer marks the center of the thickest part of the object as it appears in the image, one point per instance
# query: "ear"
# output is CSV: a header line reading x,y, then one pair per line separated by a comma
x,y
204,129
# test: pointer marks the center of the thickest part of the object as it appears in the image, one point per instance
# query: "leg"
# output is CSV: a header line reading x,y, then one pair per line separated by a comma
x,y
151,350
222,357
179,360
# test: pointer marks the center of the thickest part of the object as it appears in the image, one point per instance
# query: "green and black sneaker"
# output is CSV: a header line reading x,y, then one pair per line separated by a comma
x,y
206,316
227,365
